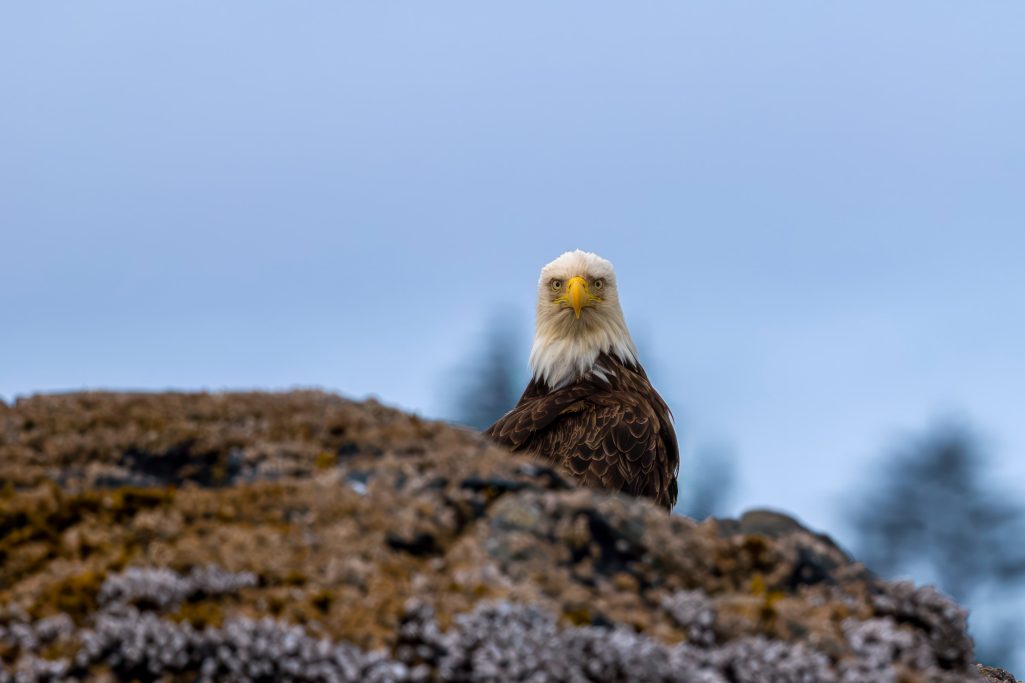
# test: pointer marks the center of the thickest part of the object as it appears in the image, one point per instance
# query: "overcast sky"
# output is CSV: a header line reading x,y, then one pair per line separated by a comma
x,y
816,210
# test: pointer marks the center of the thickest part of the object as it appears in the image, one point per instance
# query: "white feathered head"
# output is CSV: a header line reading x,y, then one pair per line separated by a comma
x,y
578,319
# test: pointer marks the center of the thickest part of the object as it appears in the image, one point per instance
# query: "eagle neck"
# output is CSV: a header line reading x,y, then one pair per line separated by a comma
x,y
558,359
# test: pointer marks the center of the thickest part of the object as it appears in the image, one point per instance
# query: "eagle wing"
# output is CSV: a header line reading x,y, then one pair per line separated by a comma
x,y
534,413
615,438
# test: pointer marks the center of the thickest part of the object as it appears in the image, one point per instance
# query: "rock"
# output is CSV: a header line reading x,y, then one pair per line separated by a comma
x,y
305,537
995,675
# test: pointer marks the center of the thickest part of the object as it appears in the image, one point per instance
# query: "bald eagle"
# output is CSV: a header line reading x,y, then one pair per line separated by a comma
x,y
589,406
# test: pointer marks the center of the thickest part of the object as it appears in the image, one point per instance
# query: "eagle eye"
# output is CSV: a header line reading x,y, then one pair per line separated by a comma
x,y
556,285
598,284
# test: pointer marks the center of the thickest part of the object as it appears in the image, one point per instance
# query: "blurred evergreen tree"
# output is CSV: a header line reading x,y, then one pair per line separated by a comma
x,y
933,513
491,383
707,480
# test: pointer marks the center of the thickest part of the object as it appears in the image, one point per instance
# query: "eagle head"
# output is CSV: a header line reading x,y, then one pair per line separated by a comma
x,y
578,320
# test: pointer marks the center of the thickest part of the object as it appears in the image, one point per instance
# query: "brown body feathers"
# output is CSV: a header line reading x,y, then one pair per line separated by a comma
x,y
610,429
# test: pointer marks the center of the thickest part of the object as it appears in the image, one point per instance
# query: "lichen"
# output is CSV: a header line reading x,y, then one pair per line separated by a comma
x,y
694,612
132,637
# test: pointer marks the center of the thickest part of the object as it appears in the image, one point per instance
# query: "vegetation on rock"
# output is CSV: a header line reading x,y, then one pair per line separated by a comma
x,y
306,537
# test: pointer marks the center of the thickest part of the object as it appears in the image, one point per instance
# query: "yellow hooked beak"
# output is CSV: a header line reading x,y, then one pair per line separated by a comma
x,y
578,294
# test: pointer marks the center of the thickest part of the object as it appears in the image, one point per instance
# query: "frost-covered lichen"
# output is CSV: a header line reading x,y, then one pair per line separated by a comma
x,y
938,617
33,636
160,588
761,660
495,642
694,612
138,644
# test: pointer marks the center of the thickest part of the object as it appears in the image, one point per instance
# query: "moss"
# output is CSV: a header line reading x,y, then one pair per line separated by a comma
x,y
55,651
76,596
33,517
325,460
322,600
294,578
200,614
34,526
758,553
17,526
769,613
219,472
276,604
758,586
770,599
579,616
129,501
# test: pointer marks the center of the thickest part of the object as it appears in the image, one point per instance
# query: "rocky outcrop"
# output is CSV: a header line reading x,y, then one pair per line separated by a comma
x,y
305,537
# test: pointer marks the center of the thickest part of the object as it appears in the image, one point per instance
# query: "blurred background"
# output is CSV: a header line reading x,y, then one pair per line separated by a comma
x,y
816,212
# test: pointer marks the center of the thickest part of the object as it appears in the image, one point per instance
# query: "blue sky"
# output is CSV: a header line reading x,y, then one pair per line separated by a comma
x,y
816,210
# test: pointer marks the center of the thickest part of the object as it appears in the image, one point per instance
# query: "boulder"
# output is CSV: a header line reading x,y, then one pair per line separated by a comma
x,y
306,537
